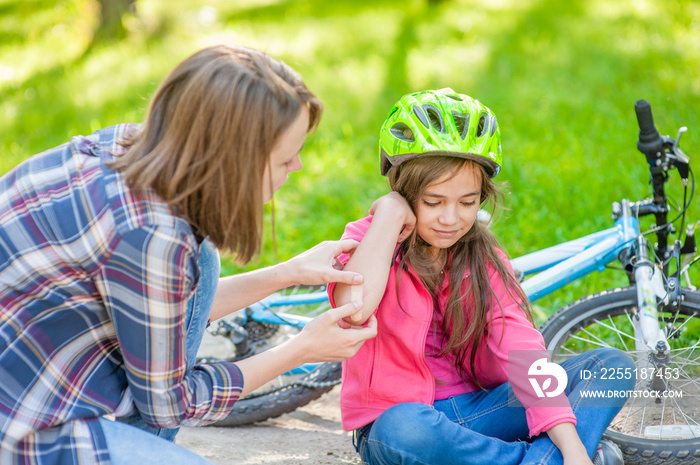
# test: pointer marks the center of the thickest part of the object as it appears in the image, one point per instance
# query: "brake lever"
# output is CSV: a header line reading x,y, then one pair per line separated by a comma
x,y
680,159
676,149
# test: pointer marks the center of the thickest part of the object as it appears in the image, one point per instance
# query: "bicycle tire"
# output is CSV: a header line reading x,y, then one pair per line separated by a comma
x,y
568,326
250,410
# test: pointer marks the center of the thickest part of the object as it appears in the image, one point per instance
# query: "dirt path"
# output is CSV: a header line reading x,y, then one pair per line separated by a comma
x,y
309,435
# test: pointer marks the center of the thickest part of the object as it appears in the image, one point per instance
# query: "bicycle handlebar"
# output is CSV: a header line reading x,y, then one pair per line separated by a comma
x,y
650,142
639,209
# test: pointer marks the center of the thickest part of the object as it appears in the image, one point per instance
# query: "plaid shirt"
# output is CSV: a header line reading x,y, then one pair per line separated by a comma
x,y
94,285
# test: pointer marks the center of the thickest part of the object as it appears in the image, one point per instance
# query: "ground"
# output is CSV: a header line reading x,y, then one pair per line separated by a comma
x,y
310,435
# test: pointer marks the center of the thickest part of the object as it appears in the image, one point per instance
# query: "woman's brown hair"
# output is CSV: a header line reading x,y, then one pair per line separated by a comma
x,y
465,324
207,138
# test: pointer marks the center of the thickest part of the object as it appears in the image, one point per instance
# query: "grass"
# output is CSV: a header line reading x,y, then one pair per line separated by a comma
x,y
561,76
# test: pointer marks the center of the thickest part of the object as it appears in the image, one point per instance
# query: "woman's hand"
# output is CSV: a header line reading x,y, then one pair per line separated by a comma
x,y
395,204
321,340
320,265
324,339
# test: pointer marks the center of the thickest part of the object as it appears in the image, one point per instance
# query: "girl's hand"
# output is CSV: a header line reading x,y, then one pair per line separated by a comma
x,y
580,460
323,340
395,203
320,265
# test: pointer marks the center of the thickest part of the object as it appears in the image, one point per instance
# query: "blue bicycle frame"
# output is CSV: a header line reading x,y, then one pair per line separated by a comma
x,y
561,264
262,312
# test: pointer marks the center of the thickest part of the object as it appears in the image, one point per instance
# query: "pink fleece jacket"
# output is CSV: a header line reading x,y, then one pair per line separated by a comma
x,y
391,368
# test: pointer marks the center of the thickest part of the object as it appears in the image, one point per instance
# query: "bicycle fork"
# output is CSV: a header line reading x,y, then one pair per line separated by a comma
x,y
650,338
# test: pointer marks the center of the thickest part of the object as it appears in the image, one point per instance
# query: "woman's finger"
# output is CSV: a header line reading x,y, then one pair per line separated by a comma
x,y
345,246
338,313
344,277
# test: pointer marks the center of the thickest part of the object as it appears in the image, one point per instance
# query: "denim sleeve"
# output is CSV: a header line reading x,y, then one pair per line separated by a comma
x,y
146,284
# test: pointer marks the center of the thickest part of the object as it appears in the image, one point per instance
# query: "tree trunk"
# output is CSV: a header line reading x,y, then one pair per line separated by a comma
x,y
111,12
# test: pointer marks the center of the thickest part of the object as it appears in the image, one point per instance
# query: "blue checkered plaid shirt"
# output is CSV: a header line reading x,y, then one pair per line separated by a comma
x,y
94,285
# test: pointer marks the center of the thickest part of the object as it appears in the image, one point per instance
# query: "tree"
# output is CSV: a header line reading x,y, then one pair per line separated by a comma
x,y
111,13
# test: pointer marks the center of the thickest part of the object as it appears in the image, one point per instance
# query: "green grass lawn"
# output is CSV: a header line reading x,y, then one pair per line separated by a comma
x,y
562,77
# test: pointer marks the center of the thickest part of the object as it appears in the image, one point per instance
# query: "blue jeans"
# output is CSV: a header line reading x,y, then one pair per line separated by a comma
x,y
125,441
128,445
483,426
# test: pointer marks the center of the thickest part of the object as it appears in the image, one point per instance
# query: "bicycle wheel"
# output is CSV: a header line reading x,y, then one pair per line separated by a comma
x,y
288,391
649,430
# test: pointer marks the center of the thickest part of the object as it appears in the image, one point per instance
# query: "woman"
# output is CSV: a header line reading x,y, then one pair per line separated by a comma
x,y
109,270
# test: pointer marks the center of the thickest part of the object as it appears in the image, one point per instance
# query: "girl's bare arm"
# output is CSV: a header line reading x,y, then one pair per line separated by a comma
x,y
393,221
566,438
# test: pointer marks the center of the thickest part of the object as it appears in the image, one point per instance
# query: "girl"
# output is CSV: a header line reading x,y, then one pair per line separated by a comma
x,y
455,334
109,269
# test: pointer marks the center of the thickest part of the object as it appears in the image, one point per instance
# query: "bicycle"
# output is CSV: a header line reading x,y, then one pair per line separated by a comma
x,y
654,319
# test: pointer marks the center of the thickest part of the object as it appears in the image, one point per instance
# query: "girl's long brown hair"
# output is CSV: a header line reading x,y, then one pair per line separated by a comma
x,y
465,324
207,138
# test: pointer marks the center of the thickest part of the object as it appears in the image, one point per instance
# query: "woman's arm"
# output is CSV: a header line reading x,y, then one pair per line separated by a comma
x,y
315,266
393,222
321,340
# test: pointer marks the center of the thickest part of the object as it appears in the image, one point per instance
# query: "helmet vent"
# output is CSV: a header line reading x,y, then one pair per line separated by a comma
x,y
435,117
483,125
494,125
462,123
402,132
454,97
421,115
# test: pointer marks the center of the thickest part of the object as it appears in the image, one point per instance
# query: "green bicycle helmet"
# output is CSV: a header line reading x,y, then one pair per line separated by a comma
x,y
440,122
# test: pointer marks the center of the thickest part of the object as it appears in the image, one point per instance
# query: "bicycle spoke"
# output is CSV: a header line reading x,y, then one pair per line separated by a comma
x,y
675,318
617,331
685,417
691,348
571,352
681,364
641,423
661,421
629,318
686,393
595,338
595,343
629,411
681,369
